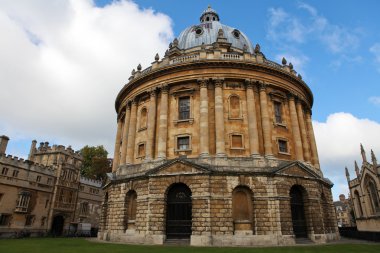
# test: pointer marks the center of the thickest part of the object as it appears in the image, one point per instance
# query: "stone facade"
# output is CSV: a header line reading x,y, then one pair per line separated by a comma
x,y
45,193
343,210
215,144
364,191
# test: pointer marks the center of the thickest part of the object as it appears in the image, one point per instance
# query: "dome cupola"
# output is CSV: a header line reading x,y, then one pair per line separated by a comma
x,y
209,15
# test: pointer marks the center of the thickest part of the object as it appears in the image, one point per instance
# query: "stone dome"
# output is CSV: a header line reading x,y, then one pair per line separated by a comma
x,y
207,33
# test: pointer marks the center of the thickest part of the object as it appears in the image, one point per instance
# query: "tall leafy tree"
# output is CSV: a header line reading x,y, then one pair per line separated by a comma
x,y
95,163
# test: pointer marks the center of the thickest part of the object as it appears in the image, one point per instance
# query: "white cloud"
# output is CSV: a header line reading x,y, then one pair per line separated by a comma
x,y
375,50
338,140
63,62
374,100
284,26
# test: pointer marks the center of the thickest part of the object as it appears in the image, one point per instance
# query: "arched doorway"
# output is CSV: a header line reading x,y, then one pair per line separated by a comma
x,y
57,227
178,212
298,211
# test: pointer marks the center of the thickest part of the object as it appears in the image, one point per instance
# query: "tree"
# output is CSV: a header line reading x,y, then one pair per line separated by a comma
x,y
95,163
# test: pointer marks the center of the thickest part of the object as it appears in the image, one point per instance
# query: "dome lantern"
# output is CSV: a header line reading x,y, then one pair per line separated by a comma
x,y
209,15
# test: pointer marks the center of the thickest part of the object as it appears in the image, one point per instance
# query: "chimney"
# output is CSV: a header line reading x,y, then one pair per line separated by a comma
x,y
3,144
32,150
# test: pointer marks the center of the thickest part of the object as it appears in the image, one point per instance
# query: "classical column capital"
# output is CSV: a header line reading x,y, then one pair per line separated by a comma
x,y
164,88
291,96
152,92
249,84
133,101
202,83
218,82
262,85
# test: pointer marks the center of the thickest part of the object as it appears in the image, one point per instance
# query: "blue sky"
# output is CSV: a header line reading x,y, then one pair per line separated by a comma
x,y
63,63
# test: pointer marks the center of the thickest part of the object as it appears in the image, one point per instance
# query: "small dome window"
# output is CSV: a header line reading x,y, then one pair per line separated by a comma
x,y
236,34
213,18
198,30
208,19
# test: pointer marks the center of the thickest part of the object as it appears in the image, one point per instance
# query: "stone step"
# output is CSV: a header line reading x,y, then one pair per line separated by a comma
x,y
176,242
303,240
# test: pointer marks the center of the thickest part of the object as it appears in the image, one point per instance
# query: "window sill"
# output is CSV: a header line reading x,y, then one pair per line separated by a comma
x,y
142,129
189,120
239,118
182,150
282,124
284,153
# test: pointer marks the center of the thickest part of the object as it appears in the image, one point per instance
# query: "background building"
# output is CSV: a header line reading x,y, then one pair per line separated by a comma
x,y
344,215
45,193
215,145
364,191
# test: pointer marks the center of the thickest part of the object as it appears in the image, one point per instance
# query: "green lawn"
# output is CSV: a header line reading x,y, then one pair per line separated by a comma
x,y
68,245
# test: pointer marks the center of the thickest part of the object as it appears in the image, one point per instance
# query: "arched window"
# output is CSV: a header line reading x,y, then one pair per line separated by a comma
x,y
143,118
358,205
242,208
372,193
234,106
131,203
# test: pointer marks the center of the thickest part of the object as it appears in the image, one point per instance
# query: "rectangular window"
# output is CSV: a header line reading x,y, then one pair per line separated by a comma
x,y
184,108
38,179
29,220
81,188
278,112
183,143
283,146
141,150
236,141
4,219
83,208
46,203
4,171
23,202
15,173
49,180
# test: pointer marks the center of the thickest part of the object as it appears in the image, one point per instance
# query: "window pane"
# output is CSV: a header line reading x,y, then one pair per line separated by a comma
x,y
184,108
234,107
277,112
282,146
183,143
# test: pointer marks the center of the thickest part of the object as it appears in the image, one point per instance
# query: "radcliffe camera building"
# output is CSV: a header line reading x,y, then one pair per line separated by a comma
x,y
215,145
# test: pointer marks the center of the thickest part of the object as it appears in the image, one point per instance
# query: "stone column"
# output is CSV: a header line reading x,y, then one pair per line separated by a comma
x,y
203,119
116,154
265,121
219,119
313,144
132,133
163,125
252,120
301,121
151,126
125,133
295,128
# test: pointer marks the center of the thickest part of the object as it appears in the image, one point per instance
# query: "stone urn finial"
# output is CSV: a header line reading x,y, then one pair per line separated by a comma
x,y
284,61
139,67
157,57
257,49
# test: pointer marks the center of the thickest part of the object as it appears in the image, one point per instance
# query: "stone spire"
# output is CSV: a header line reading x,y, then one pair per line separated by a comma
x,y
374,160
357,169
347,175
364,157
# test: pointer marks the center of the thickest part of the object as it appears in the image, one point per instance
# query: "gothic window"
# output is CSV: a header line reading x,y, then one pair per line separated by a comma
x,y
282,146
23,202
4,171
237,141
372,193
183,143
29,220
358,204
234,106
277,111
15,173
143,118
38,178
184,108
242,208
84,209
5,219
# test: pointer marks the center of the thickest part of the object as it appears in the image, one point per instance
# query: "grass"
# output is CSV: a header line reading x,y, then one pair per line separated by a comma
x,y
70,245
